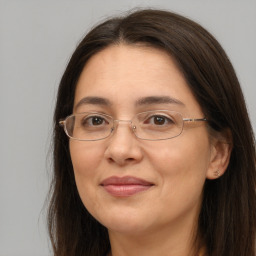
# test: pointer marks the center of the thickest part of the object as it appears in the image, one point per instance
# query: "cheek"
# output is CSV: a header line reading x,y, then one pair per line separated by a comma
x,y
85,159
182,166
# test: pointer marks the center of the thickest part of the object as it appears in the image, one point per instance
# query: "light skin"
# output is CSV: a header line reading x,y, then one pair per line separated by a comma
x,y
161,220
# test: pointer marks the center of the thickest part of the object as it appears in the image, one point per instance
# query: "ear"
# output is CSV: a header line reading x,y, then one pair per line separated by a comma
x,y
221,147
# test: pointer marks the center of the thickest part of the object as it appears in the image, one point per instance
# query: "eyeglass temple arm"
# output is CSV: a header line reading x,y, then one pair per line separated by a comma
x,y
194,119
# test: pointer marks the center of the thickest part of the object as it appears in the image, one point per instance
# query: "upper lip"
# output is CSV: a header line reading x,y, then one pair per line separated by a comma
x,y
126,180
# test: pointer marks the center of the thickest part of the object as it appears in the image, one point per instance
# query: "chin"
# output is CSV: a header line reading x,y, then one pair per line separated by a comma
x,y
127,228
124,222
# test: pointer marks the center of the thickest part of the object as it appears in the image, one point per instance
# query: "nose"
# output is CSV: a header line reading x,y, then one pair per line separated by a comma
x,y
123,147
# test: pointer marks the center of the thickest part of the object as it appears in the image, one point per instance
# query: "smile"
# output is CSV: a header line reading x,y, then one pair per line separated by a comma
x,y
125,186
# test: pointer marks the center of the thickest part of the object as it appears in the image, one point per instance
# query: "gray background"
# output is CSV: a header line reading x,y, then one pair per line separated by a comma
x,y
36,41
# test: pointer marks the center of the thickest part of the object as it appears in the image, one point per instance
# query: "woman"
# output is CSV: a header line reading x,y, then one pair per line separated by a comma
x,y
159,153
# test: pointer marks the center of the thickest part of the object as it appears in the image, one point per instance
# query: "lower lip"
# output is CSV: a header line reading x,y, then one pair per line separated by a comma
x,y
125,190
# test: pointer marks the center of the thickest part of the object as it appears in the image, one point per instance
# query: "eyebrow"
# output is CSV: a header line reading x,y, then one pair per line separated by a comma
x,y
158,100
150,100
93,100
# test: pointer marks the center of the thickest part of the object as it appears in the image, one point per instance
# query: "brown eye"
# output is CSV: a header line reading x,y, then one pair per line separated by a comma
x,y
97,120
94,121
159,120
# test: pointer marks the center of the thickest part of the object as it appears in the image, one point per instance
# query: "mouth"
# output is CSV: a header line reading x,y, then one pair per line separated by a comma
x,y
125,186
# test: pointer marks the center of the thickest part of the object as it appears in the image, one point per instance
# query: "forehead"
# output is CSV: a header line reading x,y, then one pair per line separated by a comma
x,y
124,63
123,74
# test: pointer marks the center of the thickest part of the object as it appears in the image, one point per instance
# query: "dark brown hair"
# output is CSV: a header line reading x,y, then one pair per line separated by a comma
x,y
227,221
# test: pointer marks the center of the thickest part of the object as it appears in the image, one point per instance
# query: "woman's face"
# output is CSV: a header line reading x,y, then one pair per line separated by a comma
x,y
128,184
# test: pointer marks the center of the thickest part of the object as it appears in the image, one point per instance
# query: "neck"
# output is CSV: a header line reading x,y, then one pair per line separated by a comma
x,y
173,241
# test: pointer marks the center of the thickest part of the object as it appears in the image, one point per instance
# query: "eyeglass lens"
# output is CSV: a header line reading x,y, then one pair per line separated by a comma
x,y
150,125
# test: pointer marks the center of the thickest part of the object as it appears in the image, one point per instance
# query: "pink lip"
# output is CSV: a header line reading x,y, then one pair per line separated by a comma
x,y
125,186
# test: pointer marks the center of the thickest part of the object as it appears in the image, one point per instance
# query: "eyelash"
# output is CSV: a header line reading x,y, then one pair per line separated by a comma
x,y
166,119
88,121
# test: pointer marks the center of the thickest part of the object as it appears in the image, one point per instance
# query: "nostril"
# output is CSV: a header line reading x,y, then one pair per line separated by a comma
x,y
111,160
120,161
129,159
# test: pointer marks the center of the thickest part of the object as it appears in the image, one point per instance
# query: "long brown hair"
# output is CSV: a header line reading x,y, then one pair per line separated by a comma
x,y
227,221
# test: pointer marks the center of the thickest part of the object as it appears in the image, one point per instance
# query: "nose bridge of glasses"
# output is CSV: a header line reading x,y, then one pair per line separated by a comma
x,y
117,122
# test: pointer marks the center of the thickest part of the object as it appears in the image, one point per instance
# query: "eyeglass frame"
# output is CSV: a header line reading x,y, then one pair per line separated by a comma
x,y
62,123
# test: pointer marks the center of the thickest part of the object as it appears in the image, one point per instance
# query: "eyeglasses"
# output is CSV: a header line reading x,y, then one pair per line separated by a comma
x,y
150,125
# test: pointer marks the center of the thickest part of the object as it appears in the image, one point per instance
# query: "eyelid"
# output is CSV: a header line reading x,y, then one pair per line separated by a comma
x,y
152,113
100,115
91,112
149,113
160,115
